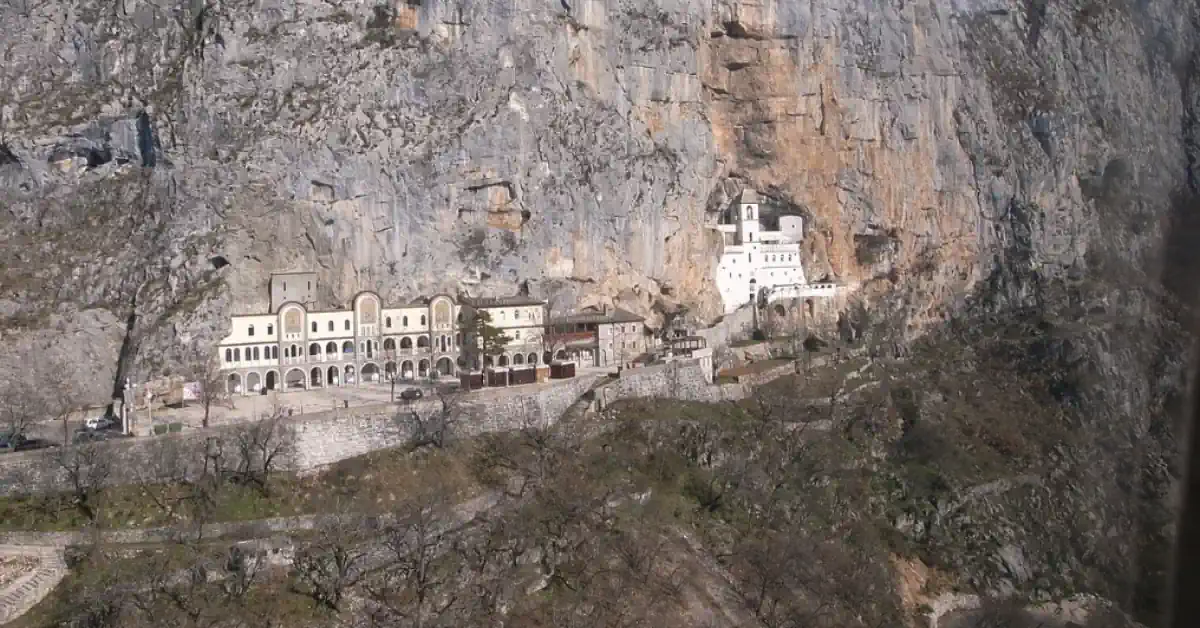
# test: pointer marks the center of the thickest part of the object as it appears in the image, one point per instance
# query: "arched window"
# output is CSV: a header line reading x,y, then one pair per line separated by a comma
x,y
255,353
404,321
237,355
331,348
275,353
459,317
314,327
422,320
270,330
347,324
330,325
517,335
388,322
229,355
516,315
251,332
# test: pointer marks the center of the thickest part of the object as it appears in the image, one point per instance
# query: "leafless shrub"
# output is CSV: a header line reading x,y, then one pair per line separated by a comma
x,y
261,448
87,470
328,566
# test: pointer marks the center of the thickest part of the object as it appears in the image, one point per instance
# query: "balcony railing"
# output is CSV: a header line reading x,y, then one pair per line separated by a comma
x,y
570,336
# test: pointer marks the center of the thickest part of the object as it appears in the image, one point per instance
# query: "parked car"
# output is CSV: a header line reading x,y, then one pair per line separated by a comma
x,y
98,423
411,394
10,442
30,444
94,436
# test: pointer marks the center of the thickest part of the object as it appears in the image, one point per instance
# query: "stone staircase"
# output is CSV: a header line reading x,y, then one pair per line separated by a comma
x,y
29,589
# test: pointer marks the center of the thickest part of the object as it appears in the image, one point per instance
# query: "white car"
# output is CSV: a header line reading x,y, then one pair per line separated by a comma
x,y
98,423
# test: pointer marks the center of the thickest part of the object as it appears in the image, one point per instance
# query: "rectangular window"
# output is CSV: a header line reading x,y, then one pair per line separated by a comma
x,y
517,334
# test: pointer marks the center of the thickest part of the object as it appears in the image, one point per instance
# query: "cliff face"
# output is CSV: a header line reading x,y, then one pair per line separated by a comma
x,y
160,159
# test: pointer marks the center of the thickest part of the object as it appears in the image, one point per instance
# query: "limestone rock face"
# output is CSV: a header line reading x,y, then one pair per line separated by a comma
x,y
159,159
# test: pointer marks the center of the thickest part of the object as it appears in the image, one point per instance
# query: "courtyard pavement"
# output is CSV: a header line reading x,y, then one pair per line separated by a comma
x,y
240,408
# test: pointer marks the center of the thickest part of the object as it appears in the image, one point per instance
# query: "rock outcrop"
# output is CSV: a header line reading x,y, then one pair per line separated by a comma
x,y
159,159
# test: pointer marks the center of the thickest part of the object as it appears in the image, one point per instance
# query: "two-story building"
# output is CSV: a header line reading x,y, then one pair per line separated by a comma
x,y
297,346
523,321
597,337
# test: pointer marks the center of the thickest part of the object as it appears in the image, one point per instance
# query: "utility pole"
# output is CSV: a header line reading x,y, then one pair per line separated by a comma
x,y
149,408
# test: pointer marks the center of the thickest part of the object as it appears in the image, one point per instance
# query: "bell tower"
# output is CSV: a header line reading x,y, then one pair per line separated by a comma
x,y
748,217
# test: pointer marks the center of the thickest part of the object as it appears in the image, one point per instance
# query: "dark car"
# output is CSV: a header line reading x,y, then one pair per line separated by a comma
x,y
9,442
30,444
410,394
95,436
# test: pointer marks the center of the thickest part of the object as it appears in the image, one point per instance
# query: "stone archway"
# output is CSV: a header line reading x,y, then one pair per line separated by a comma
x,y
406,369
253,382
561,355
233,384
445,366
518,360
423,368
293,380
502,360
334,376
531,359
370,372
315,379
350,376
272,380
389,369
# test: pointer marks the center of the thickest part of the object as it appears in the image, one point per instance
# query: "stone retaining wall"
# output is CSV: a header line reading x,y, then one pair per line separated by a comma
x,y
317,440
682,379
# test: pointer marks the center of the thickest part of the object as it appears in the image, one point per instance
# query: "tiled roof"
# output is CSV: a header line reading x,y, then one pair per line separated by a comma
x,y
592,315
512,301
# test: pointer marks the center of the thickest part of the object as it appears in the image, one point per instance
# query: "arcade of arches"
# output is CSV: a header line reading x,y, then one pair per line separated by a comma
x,y
297,348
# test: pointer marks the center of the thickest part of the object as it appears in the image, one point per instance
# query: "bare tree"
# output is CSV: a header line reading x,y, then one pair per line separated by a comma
x,y
87,470
409,589
437,428
164,473
205,369
261,447
31,396
328,566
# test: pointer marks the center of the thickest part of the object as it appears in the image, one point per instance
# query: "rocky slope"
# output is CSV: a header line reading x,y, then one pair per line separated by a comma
x,y
158,159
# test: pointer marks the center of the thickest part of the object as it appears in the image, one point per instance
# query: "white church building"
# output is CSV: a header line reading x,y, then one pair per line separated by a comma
x,y
762,266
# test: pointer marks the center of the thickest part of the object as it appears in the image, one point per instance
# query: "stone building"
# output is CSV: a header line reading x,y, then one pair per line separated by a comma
x,y
762,265
597,337
521,318
299,347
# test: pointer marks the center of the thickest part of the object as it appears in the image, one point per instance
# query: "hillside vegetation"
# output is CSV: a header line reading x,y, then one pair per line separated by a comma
x,y
810,504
